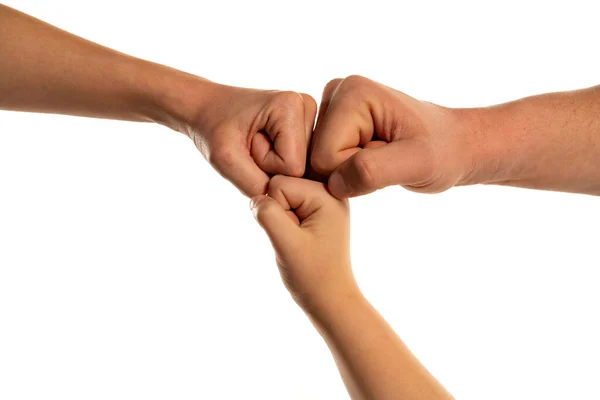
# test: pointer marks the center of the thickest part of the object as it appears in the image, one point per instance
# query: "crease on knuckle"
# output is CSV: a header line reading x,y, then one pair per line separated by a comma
x,y
277,190
366,171
257,187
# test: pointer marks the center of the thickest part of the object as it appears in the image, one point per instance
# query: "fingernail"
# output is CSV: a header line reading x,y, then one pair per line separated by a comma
x,y
254,202
337,185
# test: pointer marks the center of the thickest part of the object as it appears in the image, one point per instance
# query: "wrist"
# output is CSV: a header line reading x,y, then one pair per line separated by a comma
x,y
171,97
340,305
328,301
491,145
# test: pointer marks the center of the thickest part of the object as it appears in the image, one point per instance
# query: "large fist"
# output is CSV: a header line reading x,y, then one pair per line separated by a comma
x,y
249,134
309,230
369,136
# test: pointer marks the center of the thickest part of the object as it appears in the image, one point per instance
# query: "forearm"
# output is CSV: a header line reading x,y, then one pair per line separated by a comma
x,y
45,69
374,363
550,142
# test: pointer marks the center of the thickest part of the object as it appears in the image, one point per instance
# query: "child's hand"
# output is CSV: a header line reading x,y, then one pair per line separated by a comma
x,y
309,230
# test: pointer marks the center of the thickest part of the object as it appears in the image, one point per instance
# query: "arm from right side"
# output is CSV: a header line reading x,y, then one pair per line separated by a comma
x,y
369,136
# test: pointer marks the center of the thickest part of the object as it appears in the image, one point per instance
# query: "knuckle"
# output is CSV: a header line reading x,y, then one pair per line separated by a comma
x,y
332,84
296,168
255,188
310,103
265,209
321,162
289,100
277,183
222,157
354,82
353,91
366,170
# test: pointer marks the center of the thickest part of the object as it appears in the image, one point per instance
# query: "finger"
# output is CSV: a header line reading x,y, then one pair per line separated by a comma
x,y
310,112
343,156
403,162
272,217
303,196
373,144
265,156
310,173
235,164
328,92
325,99
285,125
341,130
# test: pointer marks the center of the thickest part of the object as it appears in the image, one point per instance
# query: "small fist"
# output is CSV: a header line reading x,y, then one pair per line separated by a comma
x,y
309,230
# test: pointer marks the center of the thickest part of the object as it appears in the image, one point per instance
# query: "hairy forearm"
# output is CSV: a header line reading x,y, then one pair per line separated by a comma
x,y
549,142
45,69
373,362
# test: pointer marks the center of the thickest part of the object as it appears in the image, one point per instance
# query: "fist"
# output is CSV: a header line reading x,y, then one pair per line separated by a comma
x,y
248,134
369,136
309,230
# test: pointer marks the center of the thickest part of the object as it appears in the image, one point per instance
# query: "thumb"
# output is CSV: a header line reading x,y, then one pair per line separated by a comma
x,y
402,162
235,164
281,227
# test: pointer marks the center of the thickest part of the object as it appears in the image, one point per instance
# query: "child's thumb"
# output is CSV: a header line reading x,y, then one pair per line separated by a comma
x,y
274,220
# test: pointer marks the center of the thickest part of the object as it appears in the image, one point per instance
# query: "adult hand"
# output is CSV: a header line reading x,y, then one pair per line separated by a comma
x,y
369,136
245,134
249,134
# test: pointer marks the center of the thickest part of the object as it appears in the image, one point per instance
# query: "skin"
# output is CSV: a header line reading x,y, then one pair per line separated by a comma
x,y
309,230
245,134
369,136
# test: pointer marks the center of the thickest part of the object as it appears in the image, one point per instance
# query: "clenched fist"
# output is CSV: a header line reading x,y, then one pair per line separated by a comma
x,y
249,134
369,136
310,232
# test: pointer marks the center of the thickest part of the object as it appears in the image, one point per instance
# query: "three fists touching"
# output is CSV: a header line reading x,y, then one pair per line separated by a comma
x,y
367,136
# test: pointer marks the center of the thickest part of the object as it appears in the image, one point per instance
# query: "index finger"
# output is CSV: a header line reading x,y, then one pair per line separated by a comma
x,y
303,196
235,164
286,124
342,128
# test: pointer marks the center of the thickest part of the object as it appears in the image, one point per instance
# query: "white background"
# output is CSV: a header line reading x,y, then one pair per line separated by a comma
x,y
130,270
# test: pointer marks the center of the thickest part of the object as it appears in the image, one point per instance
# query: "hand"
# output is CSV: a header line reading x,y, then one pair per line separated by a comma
x,y
369,136
309,230
247,134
